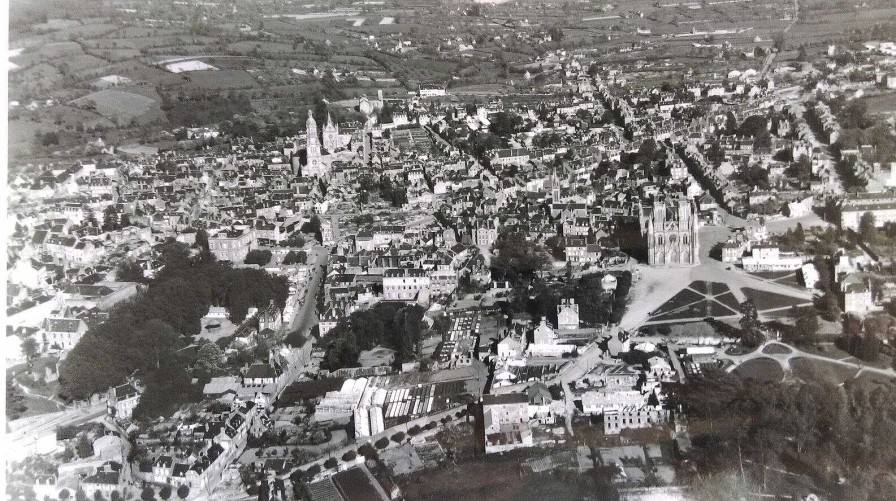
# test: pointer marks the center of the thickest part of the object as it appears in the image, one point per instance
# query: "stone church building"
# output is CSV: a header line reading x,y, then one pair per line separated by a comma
x,y
670,225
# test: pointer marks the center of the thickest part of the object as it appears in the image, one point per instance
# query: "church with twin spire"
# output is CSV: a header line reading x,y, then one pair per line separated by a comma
x,y
315,166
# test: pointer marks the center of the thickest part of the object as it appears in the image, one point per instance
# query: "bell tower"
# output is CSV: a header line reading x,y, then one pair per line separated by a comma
x,y
312,148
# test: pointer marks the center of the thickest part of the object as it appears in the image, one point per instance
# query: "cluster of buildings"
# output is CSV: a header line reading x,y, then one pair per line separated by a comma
x,y
411,211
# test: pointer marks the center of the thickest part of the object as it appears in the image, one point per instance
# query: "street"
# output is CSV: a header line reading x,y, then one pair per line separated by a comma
x,y
305,318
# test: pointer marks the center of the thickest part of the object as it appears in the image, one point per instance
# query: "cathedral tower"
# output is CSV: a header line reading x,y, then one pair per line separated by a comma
x,y
670,227
313,166
331,135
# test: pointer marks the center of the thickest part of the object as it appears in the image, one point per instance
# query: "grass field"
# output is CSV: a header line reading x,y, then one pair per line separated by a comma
x,y
763,369
116,104
60,49
811,369
220,80
764,300
776,349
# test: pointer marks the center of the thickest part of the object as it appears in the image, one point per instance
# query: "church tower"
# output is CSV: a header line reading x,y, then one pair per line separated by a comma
x,y
331,135
670,227
314,166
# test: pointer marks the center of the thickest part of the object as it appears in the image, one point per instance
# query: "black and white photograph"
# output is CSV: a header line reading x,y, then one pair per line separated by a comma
x,y
450,250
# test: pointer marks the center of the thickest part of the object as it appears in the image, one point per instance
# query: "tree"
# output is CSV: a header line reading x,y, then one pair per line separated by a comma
x,y
295,240
83,446
183,491
556,33
801,169
806,327
382,443
258,256
129,271
64,494
165,492
349,456
830,309
209,360
646,152
715,153
330,463
398,437
293,257
754,176
517,254
201,239
750,329
753,126
29,348
110,219
867,227
505,123
368,452
15,402
48,139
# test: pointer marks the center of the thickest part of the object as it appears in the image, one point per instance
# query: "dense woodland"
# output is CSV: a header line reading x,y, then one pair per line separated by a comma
x,y
839,436
144,336
393,325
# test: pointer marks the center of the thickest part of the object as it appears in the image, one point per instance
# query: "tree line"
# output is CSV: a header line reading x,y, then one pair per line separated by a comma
x,y
840,436
143,337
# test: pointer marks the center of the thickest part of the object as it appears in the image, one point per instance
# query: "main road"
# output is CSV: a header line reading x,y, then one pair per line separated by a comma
x,y
305,318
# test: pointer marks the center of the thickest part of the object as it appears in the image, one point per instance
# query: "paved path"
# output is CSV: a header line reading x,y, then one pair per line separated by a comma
x,y
654,286
305,317
784,359
27,391
570,406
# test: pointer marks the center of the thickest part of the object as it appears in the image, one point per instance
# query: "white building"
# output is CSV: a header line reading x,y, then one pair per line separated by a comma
x,y
770,258
406,284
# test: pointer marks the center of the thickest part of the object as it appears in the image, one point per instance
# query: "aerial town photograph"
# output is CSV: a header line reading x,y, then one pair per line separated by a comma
x,y
426,250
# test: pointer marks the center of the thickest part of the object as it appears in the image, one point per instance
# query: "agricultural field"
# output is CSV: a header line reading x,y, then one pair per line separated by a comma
x,y
219,80
117,105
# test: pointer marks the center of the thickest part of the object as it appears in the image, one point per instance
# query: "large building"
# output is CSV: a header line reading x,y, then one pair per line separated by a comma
x,y
406,284
232,245
331,135
670,226
881,205
314,165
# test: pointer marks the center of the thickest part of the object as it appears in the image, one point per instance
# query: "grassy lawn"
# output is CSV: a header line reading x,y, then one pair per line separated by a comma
x,y
761,369
809,369
37,406
765,300
776,349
